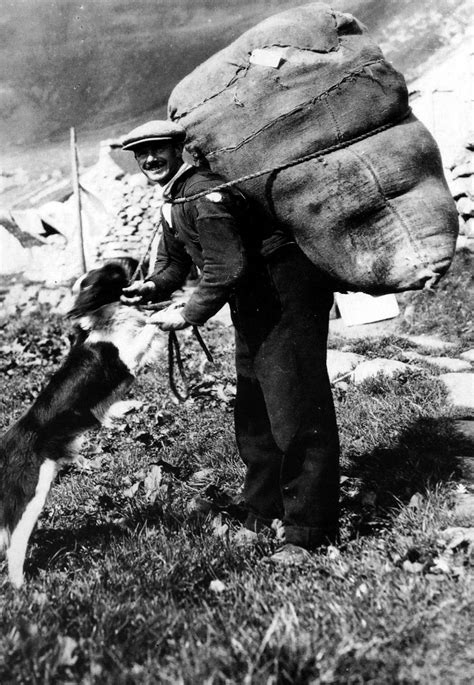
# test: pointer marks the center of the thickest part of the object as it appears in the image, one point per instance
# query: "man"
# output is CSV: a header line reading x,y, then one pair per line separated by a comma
x,y
284,414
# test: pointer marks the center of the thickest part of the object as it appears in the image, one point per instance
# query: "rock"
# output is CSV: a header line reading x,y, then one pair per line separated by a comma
x,y
466,429
137,180
133,211
373,367
464,508
65,304
468,229
20,295
50,296
465,243
341,363
466,467
409,313
461,187
449,364
465,206
429,342
468,355
412,356
464,169
460,388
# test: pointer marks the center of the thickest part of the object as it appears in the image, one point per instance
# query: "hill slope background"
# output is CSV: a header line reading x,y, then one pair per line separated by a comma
x,y
102,66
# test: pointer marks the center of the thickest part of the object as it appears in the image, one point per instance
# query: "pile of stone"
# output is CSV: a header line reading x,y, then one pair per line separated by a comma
x,y
461,185
136,207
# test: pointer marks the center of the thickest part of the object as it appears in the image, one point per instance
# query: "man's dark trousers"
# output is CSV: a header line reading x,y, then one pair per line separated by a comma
x,y
284,415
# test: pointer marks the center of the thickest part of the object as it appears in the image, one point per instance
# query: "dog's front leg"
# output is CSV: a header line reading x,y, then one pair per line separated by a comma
x,y
22,531
137,355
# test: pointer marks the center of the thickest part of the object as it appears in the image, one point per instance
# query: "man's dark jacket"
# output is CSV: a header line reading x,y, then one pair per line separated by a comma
x,y
208,232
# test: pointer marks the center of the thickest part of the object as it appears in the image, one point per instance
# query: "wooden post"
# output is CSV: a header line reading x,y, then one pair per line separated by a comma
x,y
77,196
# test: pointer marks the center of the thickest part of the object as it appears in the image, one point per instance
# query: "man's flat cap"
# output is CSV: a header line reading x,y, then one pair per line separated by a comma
x,y
153,131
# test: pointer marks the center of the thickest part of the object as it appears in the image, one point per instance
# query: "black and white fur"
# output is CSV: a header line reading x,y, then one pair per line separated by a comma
x,y
113,343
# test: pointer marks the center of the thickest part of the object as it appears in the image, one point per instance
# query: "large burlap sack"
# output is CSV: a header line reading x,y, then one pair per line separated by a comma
x,y
375,213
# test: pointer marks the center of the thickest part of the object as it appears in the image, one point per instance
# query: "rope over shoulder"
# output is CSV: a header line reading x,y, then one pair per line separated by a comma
x,y
294,162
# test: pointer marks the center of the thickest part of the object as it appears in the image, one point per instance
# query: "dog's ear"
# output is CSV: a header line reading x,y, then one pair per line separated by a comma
x,y
97,288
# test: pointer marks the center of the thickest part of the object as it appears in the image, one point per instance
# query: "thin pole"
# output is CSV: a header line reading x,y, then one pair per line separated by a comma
x,y
77,196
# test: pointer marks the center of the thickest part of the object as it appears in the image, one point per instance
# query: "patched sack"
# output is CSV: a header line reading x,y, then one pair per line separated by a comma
x,y
369,205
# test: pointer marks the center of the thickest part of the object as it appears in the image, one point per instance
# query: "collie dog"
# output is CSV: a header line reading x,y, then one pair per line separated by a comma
x,y
113,342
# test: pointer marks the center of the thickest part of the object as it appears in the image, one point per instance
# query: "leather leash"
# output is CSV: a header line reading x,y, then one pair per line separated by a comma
x,y
174,352
174,355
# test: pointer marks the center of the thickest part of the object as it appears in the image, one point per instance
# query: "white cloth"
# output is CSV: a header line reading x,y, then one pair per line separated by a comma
x,y
166,208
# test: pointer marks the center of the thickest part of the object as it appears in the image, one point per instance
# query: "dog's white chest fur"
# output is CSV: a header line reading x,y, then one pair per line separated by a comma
x,y
136,340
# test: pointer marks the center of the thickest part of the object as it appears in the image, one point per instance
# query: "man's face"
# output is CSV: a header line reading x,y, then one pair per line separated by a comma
x,y
159,160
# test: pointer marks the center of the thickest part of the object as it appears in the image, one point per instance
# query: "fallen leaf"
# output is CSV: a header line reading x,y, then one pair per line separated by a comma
x,y
279,529
361,590
40,598
202,476
217,586
332,552
220,393
132,490
441,565
67,646
152,483
412,567
219,529
461,489
416,501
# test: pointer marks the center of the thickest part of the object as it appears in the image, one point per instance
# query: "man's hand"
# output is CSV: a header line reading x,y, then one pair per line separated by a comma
x,y
138,293
170,319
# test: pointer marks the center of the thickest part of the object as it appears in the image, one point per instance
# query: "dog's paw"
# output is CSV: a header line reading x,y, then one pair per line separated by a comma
x,y
122,407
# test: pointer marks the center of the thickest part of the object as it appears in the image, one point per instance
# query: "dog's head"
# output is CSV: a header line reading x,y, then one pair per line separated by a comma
x,y
97,288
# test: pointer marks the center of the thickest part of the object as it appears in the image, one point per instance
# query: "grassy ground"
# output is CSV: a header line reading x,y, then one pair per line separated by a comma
x,y
121,574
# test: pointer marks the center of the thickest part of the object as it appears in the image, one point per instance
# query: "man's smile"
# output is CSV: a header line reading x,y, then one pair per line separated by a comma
x,y
155,165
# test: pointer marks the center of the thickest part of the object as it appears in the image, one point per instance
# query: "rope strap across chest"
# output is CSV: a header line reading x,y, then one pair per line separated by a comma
x,y
294,162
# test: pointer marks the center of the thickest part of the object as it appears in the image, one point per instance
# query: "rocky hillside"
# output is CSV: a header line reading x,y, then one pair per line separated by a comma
x,y
106,64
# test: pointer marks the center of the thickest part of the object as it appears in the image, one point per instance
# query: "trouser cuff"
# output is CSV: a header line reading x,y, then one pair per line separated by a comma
x,y
257,523
310,538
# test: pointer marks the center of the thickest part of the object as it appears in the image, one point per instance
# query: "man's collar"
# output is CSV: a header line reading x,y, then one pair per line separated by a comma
x,y
169,186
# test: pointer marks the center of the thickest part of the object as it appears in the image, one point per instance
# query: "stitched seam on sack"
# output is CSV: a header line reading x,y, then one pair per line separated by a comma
x,y
233,80
298,160
297,47
245,68
358,73
392,208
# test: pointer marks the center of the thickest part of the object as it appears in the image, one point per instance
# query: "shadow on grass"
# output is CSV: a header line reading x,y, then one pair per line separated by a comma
x,y
52,547
425,455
